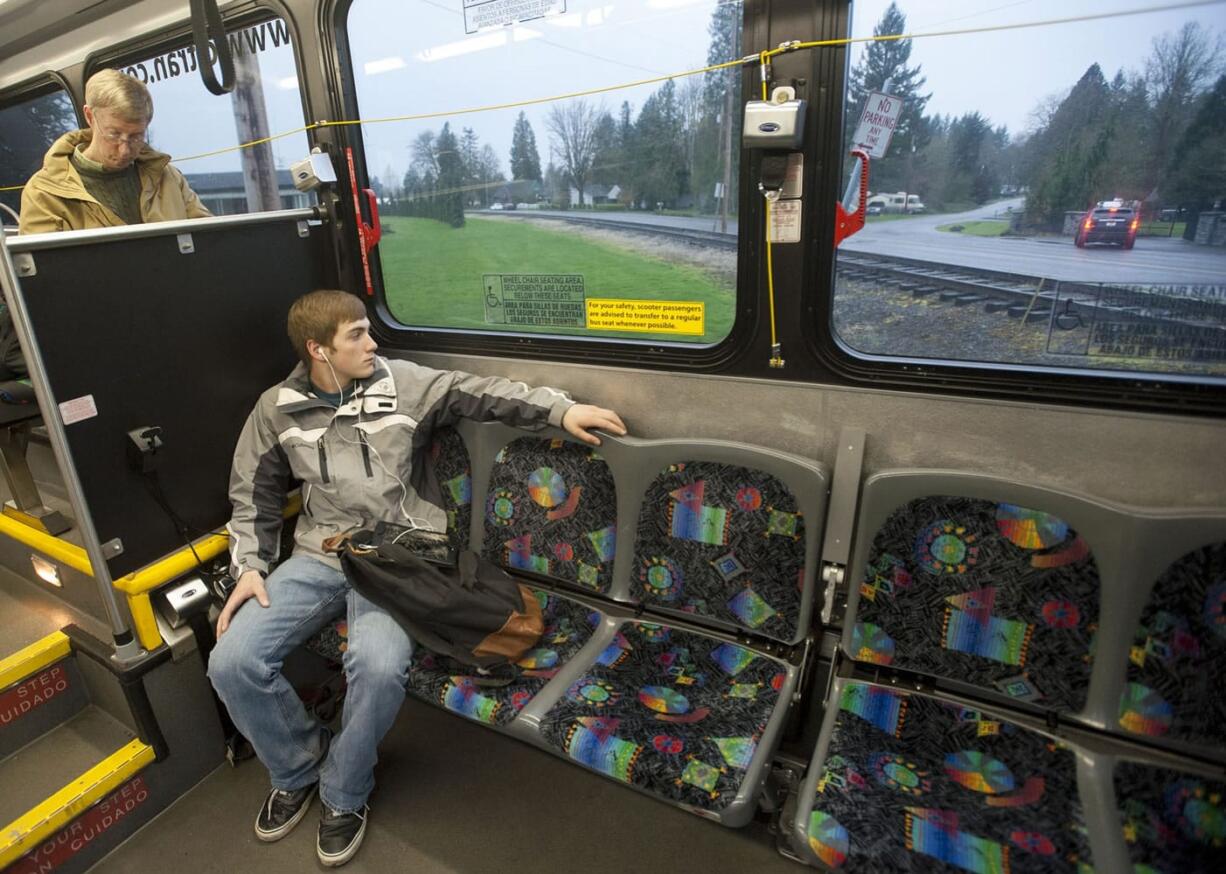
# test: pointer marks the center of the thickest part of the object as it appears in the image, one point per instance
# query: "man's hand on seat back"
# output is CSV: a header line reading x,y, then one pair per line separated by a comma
x,y
249,584
580,417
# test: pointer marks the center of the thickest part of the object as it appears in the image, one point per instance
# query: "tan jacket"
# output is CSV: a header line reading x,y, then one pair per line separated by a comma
x,y
55,199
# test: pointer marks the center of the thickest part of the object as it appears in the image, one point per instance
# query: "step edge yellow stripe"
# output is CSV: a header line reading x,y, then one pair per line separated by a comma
x,y
27,831
33,658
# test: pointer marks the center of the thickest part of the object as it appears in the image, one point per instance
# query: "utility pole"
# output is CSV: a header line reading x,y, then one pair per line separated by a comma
x,y
251,123
727,154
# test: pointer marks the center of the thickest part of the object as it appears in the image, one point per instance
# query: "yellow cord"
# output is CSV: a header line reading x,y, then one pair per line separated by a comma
x,y
776,359
763,57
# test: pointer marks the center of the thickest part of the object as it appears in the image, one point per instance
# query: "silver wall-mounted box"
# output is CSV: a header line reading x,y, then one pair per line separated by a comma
x,y
774,125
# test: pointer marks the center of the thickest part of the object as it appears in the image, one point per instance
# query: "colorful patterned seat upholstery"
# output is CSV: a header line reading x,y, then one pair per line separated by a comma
x,y
722,542
552,510
675,713
568,626
985,592
907,782
1174,688
1172,821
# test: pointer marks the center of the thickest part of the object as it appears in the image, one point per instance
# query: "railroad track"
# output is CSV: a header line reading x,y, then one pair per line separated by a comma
x,y
1028,297
1034,298
710,239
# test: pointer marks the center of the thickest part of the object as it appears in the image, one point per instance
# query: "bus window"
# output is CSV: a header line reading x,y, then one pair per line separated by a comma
x,y
27,128
189,123
606,215
1071,216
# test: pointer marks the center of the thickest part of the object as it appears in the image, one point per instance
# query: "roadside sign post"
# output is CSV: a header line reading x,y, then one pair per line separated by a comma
x,y
877,123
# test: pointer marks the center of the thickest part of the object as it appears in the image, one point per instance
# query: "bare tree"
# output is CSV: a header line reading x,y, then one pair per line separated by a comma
x,y
572,132
425,157
1180,67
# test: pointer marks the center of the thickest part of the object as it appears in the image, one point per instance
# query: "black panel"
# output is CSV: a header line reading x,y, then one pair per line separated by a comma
x,y
186,342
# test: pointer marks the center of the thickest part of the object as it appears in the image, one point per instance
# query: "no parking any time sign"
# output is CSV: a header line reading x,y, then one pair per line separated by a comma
x,y
876,126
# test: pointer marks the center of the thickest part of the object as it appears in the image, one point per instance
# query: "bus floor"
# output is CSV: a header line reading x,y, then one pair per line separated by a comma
x,y
454,797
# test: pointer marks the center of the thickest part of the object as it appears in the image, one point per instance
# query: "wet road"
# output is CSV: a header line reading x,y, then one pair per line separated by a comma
x,y
1154,260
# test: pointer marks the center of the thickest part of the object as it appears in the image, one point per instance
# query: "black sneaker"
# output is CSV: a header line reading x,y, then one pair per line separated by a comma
x,y
340,834
281,812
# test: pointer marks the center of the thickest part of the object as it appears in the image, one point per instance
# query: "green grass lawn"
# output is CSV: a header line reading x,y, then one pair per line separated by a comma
x,y
987,228
434,274
1161,229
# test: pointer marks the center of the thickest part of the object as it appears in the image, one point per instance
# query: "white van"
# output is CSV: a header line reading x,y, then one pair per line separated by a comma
x,y
899,201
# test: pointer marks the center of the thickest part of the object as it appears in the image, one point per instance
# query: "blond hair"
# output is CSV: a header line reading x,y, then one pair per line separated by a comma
x,y
120,93
318,316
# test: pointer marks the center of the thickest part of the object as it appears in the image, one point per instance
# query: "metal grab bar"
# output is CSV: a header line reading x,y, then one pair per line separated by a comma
x,y
126,647
64,239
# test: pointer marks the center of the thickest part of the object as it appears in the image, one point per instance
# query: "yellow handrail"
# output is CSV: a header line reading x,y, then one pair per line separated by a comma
x,y
138,582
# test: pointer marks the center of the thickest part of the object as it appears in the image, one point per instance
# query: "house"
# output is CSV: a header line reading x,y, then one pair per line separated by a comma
x,y
224,194
594,194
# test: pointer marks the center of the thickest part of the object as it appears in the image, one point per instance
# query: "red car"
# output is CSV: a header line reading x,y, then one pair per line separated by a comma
x,y
1110,222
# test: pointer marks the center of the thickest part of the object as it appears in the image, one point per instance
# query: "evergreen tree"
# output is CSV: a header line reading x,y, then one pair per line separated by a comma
x,y
1069,157
1197,172
663,171
470,165
450,196
882,62
525,162
606,165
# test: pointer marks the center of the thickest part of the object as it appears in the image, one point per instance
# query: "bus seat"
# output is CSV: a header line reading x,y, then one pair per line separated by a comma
x,y
723,542
496,700
1173,690
670,702
903,779
687,717
976,582
19,410
1171,820
552,510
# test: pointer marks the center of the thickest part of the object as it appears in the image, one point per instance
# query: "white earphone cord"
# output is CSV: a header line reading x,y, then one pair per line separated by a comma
x,y
414,524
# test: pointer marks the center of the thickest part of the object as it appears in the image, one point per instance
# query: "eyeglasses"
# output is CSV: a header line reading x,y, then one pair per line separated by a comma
x,y
115,138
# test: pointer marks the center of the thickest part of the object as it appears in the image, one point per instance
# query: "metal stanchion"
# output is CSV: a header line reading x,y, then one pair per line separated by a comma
x,y
126,647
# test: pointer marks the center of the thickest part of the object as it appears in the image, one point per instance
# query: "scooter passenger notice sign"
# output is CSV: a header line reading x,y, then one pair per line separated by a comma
x,y
877,124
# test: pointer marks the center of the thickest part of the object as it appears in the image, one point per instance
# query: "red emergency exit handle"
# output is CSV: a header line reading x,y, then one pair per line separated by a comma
x,y
371,233
847,223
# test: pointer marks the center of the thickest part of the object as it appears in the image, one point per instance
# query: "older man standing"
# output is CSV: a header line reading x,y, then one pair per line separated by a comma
x,y
107,175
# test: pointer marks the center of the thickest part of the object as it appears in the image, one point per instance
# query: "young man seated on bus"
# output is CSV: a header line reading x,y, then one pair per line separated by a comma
x,y
352,427
107,175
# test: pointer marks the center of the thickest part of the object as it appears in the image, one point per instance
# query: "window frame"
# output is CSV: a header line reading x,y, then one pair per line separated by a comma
x,y
159,42
40,86
842,365
592,350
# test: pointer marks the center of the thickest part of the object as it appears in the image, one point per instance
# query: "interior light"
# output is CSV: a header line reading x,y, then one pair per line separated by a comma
x,y
383,65
463,47
47,571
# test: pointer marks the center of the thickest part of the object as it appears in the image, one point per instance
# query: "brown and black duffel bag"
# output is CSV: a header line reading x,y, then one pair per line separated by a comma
x,y
454,603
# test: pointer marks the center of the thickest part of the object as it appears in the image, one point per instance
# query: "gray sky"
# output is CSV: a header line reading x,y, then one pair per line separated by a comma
x,y
413,56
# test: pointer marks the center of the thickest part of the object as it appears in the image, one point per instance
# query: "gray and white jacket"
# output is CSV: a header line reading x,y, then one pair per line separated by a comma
x,y
361,463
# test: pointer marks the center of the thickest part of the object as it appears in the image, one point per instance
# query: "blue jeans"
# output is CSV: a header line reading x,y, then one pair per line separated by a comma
x,y
245,667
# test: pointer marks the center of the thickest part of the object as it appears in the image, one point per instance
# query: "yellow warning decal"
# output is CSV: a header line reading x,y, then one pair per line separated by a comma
x,y
647,316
